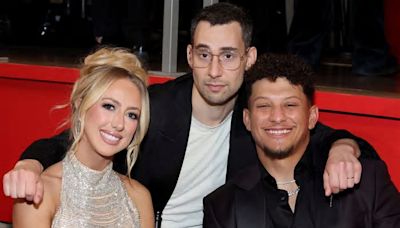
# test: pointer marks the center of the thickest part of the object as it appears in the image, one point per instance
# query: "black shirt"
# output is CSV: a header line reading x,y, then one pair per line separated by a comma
x,y
309,178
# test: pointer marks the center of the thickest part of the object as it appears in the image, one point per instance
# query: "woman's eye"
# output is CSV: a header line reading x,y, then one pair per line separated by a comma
x,y
132,115
108,106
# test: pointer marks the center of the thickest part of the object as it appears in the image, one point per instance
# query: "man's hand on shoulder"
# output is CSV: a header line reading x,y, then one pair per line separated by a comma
x,y
343,169
24,181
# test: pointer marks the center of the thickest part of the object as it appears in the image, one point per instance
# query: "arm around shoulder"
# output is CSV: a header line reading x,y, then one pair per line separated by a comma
x,y
341,150
48,151
324,136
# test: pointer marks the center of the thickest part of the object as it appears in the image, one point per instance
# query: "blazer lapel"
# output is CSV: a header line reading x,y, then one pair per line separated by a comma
x,y
178,113
163,149
250,199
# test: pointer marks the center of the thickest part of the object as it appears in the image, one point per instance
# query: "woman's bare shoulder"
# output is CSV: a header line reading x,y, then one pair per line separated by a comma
x,y
52,180
142,198
52,176
133,186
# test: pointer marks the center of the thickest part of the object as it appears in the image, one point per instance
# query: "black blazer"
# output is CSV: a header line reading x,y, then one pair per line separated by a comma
x,y
163,149
241,203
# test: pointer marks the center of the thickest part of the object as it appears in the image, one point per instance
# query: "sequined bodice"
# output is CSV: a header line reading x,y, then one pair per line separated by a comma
x,y
91,198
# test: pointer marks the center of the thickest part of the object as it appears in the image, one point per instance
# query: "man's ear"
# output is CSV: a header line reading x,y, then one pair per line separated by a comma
x,y
189,55
313,118
251,57
246,119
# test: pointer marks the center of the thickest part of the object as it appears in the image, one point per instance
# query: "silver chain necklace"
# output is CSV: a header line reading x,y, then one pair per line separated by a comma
x,y
294,192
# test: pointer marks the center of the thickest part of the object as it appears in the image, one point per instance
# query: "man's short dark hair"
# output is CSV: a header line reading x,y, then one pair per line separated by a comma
x,y
273,66
224,13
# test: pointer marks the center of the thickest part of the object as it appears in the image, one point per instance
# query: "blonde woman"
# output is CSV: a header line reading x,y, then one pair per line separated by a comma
x,y
110,113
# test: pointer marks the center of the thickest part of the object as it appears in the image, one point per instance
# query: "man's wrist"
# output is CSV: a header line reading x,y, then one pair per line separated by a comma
x,y
350,143
30,164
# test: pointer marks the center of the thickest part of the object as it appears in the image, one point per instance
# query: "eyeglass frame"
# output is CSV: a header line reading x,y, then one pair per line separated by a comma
x,y
241,57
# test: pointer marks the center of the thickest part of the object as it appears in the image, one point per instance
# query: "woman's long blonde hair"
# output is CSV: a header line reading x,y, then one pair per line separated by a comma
x,y
98,72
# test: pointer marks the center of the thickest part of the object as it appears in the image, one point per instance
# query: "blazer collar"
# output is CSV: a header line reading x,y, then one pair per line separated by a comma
x,y
248,178
250,201
180,116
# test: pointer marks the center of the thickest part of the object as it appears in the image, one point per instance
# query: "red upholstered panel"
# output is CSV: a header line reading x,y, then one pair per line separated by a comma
x,y
26,116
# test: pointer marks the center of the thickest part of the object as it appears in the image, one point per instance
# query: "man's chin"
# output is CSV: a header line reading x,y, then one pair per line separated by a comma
x,y
218,99
279,153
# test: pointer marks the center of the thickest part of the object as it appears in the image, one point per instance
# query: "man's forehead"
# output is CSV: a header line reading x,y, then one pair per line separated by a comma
x,y
207,24
218,36
280,86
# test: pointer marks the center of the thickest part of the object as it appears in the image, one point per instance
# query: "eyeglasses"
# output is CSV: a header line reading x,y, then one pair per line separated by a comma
x,y
229,60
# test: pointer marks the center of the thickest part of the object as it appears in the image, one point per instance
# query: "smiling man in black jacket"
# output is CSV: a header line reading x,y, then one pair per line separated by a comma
x,y
286,188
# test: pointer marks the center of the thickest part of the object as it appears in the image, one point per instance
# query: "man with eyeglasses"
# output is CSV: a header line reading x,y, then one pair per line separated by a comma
x,y
196,138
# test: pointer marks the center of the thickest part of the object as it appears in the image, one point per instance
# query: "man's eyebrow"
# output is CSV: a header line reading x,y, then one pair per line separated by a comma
x,y
293,97
199,46
228,49
260,98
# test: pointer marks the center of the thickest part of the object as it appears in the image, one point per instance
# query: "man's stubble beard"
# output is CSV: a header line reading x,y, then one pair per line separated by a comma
x,y
277,153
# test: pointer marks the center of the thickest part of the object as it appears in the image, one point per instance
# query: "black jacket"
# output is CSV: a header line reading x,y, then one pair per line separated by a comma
x,y
163,149
251,199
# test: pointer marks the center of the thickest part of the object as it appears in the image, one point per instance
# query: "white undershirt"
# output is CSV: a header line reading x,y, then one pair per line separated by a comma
x,y
203,170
